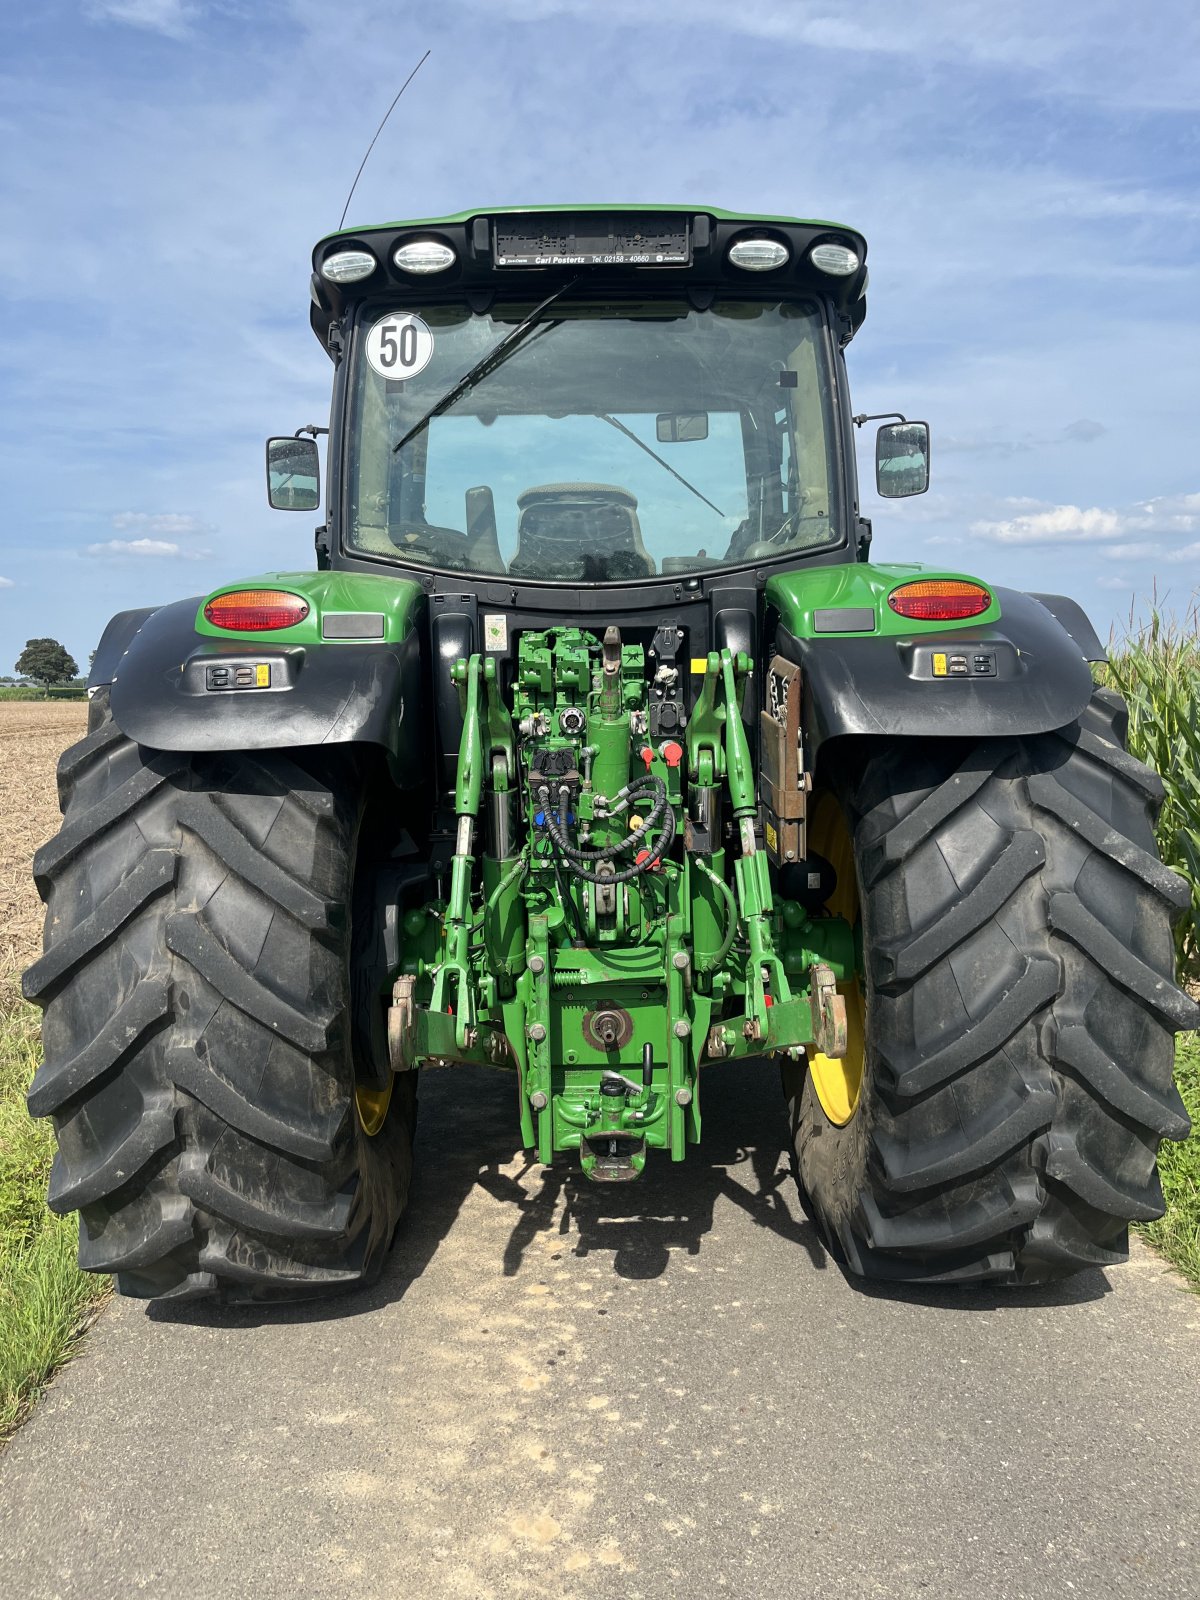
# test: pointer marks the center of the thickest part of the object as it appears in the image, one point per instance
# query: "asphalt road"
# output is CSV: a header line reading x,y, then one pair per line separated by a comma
x,y
665,1390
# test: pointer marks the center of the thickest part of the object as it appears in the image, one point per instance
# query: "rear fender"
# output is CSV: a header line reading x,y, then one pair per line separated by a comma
x,y
885,686
163,668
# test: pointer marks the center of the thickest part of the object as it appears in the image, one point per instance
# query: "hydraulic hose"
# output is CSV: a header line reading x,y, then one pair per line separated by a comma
x,y
577,858
712,962
631,792
517,871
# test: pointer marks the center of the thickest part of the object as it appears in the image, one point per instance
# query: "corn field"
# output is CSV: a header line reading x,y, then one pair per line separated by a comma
x,y
1156,666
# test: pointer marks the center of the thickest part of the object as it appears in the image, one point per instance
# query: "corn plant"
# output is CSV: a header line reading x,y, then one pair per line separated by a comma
x,y
1156,666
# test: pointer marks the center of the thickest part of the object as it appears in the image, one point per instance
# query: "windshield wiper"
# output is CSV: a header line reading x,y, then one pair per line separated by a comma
x,y
654,456
495,357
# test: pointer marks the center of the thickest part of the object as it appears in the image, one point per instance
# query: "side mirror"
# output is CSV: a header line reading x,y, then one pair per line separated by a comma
x,y
902,459
680,427
293,474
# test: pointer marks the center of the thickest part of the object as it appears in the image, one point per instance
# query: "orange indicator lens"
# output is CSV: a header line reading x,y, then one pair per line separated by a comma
x,y
256,610
939,600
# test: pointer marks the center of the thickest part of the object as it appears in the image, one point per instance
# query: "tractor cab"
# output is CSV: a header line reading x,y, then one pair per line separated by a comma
x,y
598,397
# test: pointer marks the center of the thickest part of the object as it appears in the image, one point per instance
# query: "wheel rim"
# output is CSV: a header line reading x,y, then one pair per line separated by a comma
x,y
838,1083
372,1107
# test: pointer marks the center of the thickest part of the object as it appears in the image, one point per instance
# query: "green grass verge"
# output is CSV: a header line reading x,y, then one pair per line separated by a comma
x,y
27,692
45,1301
1177,1234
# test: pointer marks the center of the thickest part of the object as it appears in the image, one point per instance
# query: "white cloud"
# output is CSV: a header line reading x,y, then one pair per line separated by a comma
x,y
151,522
1190,552
1047,54
1115,582
1068,524
1178,513
144,547
7,583
1128,552
171,17
1058,525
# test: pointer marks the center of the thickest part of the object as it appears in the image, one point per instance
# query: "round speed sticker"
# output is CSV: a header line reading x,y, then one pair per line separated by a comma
x,y
399,346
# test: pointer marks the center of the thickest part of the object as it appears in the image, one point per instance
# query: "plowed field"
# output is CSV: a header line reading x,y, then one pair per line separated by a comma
x,y
33,734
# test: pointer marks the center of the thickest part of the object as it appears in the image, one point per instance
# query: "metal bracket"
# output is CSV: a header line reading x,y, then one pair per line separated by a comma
x,y
828,1013
784,785
402,1024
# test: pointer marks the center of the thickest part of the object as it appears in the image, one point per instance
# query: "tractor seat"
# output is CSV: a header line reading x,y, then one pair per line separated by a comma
x,y
586,531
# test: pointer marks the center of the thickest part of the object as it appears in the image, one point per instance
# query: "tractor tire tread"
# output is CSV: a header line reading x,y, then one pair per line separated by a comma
x,y
197,1028
1021,1010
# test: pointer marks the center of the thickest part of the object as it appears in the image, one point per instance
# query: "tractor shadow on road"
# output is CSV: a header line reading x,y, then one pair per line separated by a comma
x,y
466,1142
669,1211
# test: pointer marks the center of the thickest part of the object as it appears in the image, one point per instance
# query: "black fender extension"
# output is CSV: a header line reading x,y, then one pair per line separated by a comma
x,y
157,668
883,686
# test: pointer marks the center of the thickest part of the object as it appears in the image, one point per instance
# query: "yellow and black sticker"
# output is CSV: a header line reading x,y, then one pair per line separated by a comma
x,y
939,664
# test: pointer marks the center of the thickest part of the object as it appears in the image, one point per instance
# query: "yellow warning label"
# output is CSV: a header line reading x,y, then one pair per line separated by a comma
x,y
262,675
939,664
772,837
700,664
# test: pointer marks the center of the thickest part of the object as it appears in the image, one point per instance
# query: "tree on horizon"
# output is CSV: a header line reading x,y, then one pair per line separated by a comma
x,y
47,662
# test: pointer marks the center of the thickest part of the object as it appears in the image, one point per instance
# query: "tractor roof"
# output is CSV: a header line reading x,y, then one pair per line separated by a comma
x,y
653,248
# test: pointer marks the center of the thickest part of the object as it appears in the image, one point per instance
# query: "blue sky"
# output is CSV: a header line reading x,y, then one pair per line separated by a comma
x,y
1026,176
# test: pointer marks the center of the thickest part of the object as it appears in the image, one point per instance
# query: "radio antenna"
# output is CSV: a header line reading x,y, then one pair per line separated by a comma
x,y
378,131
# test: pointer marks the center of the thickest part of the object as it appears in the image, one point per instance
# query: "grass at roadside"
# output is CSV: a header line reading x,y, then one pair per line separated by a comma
x,y
1177,1234
45,1301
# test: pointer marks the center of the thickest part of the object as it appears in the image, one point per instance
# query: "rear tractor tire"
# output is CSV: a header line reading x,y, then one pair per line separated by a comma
x,y
1018,1011
198,1039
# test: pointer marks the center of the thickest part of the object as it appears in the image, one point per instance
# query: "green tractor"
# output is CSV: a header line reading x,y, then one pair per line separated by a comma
x,y
594,750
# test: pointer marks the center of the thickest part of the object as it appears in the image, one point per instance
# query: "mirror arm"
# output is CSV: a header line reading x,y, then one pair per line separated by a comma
x,y
309,427
878,416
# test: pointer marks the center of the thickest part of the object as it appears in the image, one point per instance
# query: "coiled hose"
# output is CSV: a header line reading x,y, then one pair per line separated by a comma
x,y
578,859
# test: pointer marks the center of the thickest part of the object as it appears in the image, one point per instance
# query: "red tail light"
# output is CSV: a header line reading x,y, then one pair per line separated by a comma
x,y
939,600
256,610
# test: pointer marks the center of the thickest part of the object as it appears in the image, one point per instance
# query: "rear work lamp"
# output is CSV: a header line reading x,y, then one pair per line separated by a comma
x,y
939,600
256,610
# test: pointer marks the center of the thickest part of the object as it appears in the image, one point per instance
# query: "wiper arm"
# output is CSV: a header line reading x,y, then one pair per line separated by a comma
x,y
486,365
654,456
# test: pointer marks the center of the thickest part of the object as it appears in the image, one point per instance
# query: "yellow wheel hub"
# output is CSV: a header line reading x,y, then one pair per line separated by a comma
x,y
372,1107
838,1083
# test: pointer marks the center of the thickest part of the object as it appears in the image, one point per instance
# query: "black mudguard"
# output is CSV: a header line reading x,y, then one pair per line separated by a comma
x,y
883,686
1075,620
332,693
